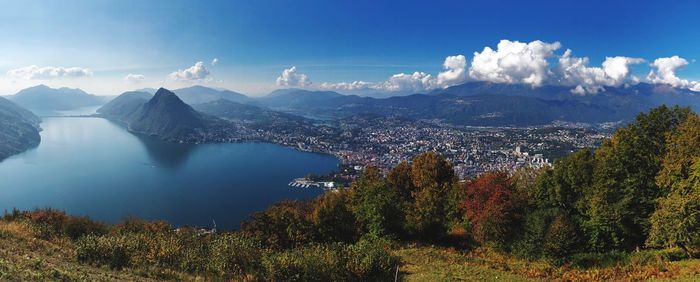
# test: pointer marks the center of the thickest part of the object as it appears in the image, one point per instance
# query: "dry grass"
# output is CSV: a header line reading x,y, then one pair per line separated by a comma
x,y
25,257
430,263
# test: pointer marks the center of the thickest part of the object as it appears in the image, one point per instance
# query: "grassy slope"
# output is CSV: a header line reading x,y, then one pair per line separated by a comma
x,y
430,263
24,257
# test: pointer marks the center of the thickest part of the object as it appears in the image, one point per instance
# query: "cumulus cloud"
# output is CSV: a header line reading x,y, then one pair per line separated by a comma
x,y
291,78
36,72
215,61
514,62
455,71
134,78
348,86
665,73
401,82
614,72
193,73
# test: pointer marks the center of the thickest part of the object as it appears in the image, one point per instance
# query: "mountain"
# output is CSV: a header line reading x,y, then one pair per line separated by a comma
x,y
19,129
254,116
125,105
167,117
200,94
295,98
43,98
490,104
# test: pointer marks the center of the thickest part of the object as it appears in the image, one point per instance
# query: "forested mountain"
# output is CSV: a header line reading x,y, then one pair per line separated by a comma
x,y
125,105
164,116
19,129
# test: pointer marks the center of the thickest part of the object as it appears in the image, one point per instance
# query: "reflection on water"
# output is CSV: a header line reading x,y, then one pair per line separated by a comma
x,y
90,166
169,155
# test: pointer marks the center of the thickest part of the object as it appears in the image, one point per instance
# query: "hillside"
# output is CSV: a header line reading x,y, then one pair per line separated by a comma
x,y
125,105
251,115
200,94
19,129
42,98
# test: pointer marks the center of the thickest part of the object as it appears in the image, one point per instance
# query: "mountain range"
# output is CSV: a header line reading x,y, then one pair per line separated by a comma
x,y
42,98
490,104
19,129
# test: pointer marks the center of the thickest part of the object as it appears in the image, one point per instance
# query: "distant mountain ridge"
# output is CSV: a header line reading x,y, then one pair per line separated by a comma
x,y
19,129
490,104
43,98
200,94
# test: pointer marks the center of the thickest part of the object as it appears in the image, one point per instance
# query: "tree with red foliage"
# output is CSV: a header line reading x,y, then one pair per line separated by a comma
x,y
490,208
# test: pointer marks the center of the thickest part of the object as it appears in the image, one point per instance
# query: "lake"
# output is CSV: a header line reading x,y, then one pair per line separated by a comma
x,y
91,166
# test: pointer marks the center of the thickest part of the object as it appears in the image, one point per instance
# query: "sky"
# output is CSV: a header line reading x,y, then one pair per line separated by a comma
x,y
254,47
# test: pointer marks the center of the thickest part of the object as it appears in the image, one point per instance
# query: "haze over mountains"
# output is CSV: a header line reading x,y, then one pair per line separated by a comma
x,y
42,98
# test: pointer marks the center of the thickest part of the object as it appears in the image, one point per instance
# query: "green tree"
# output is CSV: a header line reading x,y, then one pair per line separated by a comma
x,y
376,207
676,221
624,191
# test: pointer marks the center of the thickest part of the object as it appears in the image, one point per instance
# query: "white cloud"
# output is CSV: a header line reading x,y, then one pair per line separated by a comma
x,y
215,61
36,72
193,73
455,71
615,71
665,73
401,82
514,62
418,81
348,86
134,78
290,78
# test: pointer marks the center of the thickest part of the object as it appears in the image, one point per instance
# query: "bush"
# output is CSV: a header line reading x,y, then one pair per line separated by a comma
x,y
233,255
367,260
314,263
77,226
370,260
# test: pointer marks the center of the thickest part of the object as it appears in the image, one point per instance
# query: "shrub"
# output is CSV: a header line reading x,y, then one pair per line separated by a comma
x,y
233,255
77,226
313,263
370,260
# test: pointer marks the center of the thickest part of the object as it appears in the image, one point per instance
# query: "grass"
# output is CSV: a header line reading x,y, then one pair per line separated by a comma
x,y
432,263
24,256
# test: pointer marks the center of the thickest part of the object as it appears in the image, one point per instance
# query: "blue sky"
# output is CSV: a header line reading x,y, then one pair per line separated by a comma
x,y
327,41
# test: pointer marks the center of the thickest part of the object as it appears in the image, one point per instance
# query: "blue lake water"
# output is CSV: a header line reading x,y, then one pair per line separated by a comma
x,y
93,167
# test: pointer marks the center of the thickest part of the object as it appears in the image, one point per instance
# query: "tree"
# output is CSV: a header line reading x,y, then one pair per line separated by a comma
x,y
490,209
399,179
624,191
434,206
333,218
283,225
676,221
375,206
